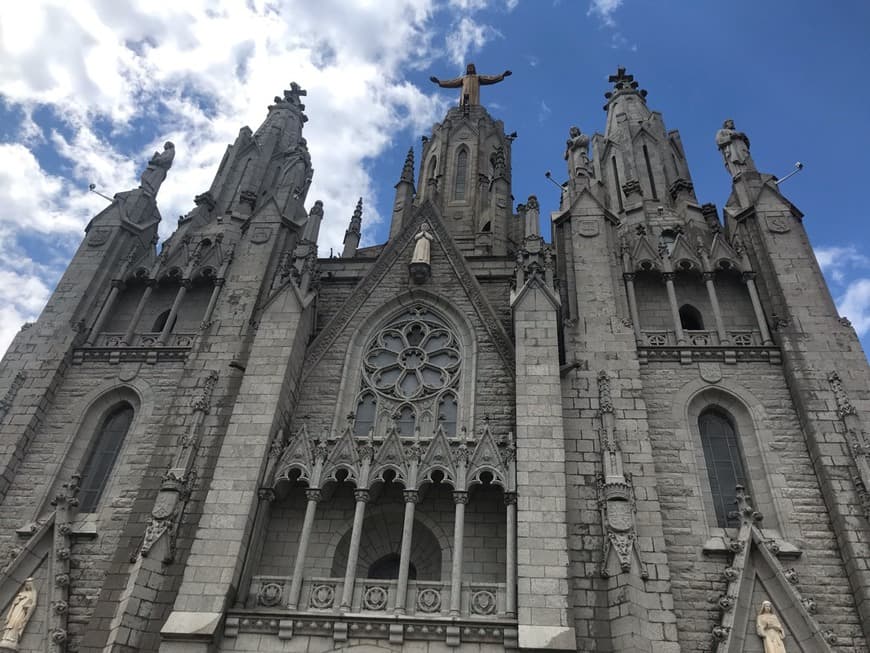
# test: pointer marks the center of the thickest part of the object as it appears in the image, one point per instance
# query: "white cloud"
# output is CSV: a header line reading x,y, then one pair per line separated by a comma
x,y
468,36
848,272
604,9
855,305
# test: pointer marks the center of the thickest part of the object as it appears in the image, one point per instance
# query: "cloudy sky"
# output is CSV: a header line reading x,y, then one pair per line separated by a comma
x,y
89,90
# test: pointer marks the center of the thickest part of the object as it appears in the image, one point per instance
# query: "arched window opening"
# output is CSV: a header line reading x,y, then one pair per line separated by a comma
x,y
649,172
690,318
387,568
104,452
366,409
448,409
667,238
724,461
160,322
406,420
461,174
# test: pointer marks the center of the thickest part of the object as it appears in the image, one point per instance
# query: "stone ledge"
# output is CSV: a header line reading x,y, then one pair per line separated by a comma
x,y
549,638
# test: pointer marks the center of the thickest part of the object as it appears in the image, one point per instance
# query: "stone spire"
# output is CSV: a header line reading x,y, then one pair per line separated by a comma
x,y
404,195
352,235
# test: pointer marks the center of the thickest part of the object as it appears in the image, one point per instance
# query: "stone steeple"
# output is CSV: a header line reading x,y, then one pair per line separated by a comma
x,y
404,195
352,235
642,165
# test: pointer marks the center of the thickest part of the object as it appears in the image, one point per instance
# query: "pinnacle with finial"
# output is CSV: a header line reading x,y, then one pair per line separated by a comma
x,y
356,219
408,168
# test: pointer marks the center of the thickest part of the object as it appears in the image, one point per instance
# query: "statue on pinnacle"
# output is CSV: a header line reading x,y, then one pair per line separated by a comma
x,y
470,84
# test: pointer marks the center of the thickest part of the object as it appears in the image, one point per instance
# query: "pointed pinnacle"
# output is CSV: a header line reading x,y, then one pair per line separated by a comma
x,y
408,168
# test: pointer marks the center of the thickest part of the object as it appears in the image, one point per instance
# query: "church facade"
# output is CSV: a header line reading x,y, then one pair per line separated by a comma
x,y
647,435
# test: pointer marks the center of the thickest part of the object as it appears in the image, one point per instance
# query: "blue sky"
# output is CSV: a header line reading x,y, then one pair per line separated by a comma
x,y
88,92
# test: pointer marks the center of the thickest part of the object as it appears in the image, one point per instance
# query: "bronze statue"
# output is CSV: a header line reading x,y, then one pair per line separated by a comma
x,y
470,83
157,168
769,628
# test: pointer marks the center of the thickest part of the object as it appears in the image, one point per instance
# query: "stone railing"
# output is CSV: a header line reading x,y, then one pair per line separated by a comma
x,y
701,338
705,345
145,347
424,598
373,614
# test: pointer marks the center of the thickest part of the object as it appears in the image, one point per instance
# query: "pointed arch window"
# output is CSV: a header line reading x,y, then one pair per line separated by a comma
x,y
406,420
461,180
104,452
448,413
724,461
160,322
366,409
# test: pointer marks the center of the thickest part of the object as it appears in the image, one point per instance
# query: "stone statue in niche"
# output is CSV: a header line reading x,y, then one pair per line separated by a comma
x,y
420,266
734,146
577,152
19,614
769,628
157,168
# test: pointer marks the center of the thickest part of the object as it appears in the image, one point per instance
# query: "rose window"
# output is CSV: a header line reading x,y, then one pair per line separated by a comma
x,y
413,359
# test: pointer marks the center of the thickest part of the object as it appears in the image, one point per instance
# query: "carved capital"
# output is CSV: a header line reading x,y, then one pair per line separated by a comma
x,y
510,498
668,276
313,494
362,495
411,496
460,496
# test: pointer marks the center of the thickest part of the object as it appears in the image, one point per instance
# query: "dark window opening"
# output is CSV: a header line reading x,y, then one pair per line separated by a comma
x,y
104,453
461,174
387,568
690,318
160,322
649,171
724,463
618,185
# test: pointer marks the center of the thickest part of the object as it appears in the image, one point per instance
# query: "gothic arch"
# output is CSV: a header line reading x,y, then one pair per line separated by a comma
x,y
98,403
349,388
429,538
751,423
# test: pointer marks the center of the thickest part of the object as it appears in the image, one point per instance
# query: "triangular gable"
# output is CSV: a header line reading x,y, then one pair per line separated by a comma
x,y
644,251
385,263
682,251
391,455
344,455
438,456
721,250
487,458
645,131
298,454
585,199
753,568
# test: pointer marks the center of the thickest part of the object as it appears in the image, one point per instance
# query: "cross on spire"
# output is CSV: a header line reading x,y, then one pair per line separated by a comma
x,y
623,82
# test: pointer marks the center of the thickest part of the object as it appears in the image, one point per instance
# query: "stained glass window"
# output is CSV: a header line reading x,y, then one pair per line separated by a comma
x,y
724,463
101,460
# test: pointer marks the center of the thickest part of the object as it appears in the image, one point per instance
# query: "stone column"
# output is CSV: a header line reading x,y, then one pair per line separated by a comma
x,y
173,312
459,500
411,499
632,305
362,498
313,496
137,314
749,280
675,309
212,301
117,284
510,502
717,311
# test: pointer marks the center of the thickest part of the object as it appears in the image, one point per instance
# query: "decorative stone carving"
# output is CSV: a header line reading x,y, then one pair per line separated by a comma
x,y
429,600
375,598
158,166
20,612
322,596
734,146
577,153
482,602
270,594
769,628
420,266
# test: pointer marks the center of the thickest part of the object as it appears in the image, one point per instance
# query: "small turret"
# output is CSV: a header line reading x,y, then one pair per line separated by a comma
x,y
404,195
352,235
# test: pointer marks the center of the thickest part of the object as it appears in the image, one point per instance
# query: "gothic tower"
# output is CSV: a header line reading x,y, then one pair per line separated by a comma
x,y
647,435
